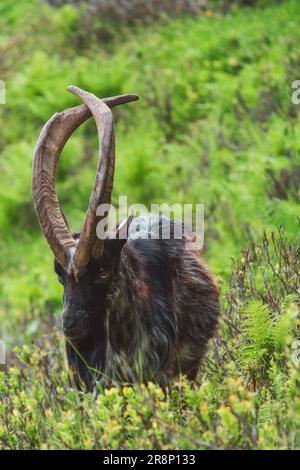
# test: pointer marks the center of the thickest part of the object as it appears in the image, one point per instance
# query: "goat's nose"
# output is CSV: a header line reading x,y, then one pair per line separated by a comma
x,y
67,318
74,326
68,323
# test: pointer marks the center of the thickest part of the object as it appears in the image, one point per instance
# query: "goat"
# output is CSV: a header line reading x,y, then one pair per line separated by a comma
x,y
135,309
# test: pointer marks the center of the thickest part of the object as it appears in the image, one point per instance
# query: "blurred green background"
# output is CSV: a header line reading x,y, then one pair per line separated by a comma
x,y
215,125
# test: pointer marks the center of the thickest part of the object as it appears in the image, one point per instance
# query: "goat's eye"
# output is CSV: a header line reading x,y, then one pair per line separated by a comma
x,y
102,276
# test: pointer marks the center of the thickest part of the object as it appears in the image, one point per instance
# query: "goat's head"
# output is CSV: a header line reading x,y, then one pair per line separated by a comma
x,y
84,263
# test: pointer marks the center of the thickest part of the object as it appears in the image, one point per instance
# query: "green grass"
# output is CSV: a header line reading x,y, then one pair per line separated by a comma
x,y
214,125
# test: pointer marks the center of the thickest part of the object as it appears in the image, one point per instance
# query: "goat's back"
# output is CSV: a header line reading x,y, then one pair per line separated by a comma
x,y
164,306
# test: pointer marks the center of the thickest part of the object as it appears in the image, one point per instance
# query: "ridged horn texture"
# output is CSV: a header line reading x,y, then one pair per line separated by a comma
x,y
70,254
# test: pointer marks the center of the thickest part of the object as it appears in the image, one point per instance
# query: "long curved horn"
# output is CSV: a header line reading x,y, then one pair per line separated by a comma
x,y
89,245
51,141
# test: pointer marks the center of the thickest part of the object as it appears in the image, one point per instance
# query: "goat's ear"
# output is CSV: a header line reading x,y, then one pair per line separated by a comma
x,y
119,237
115,247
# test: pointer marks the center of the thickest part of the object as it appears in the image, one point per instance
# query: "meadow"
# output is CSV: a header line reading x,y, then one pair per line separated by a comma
x,y
215,124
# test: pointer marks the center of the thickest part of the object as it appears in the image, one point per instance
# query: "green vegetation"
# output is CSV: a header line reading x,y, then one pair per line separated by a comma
x,y
215,125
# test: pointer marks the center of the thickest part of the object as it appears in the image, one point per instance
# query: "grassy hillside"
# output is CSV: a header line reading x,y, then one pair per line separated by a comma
x,y
214,125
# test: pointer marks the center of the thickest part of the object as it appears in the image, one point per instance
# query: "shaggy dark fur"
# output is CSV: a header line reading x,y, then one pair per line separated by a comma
x,y
144,311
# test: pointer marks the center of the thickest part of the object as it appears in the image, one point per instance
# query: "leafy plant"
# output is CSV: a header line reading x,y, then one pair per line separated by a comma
x,y
265,336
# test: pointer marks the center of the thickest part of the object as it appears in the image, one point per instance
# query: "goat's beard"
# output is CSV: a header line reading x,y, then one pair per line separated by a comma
x,y
87,360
